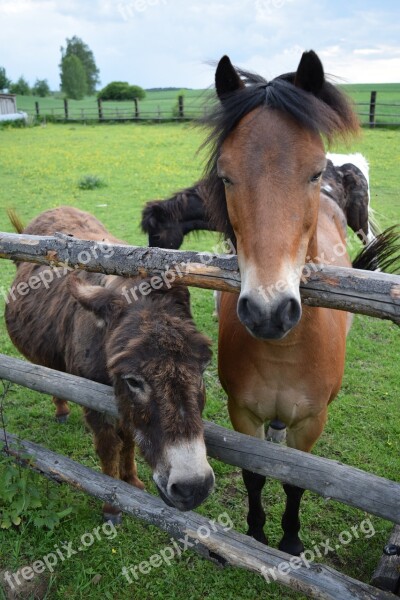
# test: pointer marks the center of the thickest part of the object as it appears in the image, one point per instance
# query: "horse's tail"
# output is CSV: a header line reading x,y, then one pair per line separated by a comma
x,y
382,254
15,220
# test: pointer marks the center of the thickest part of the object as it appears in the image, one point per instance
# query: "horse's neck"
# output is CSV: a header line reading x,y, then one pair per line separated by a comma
x,y
329,233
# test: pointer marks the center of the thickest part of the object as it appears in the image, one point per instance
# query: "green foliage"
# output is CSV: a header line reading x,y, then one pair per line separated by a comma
x,y
21,499
121,90
41,88
4,81
73,78
20,87
91,182
76,47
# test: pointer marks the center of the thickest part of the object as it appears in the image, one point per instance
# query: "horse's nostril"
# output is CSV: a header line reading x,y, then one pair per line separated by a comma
x,y
181,490
290,312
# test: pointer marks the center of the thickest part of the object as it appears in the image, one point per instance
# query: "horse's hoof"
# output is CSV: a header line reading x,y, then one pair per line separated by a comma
x,y
259,536
62,418
116,519
291,546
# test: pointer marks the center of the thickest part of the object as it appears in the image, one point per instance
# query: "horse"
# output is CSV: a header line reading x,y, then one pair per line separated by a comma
x,y
277,360
149,350
166,222
344,180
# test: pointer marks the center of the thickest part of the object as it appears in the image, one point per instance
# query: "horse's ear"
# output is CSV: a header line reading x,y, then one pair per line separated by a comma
x,y
227,79
310,73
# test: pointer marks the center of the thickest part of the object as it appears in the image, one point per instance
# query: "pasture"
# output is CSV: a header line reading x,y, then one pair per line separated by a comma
x,y
40,169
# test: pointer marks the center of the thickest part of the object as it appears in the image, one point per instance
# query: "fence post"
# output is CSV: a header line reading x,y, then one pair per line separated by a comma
x,y
372,105
136,108
37,109
100,108
180,107
66,108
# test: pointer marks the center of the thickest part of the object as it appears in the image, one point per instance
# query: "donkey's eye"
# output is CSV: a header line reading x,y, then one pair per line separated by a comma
x,y
315,178
134,383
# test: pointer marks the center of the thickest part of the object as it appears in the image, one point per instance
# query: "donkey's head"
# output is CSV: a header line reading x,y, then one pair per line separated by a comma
x,y
156,359
264,174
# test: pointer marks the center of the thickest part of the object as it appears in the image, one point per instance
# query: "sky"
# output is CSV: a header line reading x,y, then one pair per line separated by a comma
x,y
163,43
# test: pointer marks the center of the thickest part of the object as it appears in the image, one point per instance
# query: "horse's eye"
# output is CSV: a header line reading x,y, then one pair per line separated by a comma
x,y
134,384
226,181
315,178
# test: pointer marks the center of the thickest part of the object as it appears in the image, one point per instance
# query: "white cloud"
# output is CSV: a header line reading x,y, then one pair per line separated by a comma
x,y
166,42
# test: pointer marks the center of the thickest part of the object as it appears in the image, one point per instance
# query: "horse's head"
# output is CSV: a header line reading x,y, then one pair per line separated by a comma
x,y
156,359
265,175
163,230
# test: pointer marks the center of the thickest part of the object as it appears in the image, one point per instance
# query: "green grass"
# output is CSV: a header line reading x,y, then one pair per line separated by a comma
x,y
40,169
164,102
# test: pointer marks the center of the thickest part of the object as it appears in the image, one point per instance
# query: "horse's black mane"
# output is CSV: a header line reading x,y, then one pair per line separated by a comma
x,y
328,113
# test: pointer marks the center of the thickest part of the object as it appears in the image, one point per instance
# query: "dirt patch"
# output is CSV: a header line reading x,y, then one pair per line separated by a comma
x,y
34,589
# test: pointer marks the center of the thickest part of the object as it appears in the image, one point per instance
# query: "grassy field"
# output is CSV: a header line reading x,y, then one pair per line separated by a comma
x,y
40,169
164,103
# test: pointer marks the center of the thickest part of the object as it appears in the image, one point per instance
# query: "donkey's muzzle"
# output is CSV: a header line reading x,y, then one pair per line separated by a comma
x,y
184,478
268,320
188,494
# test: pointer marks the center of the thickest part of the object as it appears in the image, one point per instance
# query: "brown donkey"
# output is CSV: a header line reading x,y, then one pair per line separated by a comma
x,y
277,359
149,350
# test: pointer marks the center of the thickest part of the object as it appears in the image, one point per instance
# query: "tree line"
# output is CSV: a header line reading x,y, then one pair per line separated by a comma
x,y
79,76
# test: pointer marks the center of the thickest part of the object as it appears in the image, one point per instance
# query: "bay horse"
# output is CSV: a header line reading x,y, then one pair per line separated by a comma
x,y
149,350
277,359
345,180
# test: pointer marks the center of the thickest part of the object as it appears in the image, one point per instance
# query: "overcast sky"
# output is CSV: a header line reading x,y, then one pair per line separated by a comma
x,y
157,43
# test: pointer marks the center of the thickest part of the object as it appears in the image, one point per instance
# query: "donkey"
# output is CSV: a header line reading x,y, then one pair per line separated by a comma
x,y
86,324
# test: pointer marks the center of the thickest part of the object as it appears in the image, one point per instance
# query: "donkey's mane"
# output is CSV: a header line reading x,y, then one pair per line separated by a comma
x,y
328,113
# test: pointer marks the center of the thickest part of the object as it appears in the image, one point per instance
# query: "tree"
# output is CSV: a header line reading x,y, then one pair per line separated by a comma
x,y
121,90
76,47
20,87
41,88
4,81
73,78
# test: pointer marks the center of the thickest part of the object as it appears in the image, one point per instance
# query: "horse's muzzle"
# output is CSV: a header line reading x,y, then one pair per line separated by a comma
x,y
268,320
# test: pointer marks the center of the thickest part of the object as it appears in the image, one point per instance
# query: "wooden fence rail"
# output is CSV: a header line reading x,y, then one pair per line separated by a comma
x,y
328,478
214,542
357,291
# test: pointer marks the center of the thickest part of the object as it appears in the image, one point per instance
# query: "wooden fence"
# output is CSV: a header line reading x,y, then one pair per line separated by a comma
x,y
371,293
373,113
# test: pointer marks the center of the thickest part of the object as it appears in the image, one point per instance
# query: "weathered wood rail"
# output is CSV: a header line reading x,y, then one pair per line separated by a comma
x,y
213,542
327,478
364,292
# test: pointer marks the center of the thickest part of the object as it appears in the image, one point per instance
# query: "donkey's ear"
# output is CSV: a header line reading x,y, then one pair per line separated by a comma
x,y
97,299
310,73
227,79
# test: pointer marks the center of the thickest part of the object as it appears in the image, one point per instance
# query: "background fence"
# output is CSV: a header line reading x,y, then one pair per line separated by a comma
x,y
376,108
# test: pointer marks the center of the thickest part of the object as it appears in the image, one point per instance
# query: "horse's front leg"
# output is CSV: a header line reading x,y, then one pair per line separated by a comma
x,y
302,437
244,422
